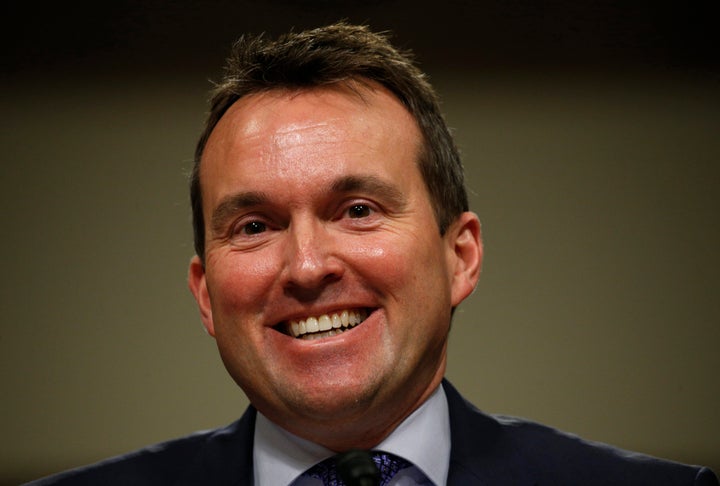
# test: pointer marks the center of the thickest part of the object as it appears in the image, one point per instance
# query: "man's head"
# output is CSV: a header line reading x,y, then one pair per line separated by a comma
x,y
327,56
325,281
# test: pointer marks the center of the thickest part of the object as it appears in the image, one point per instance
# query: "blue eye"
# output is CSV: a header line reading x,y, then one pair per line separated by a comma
x,y
359,211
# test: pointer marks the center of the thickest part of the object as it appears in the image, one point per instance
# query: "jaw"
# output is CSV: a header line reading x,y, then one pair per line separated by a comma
x,y
339,395
354,421
347,390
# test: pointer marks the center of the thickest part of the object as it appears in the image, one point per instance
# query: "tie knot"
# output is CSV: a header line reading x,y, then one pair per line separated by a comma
x,y
358,465
388,465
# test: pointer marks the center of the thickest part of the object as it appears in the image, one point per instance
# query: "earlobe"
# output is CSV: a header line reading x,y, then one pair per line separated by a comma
x,y
466,254
198,286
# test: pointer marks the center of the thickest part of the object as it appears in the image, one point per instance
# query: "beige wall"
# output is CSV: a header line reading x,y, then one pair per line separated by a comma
x,y
597,311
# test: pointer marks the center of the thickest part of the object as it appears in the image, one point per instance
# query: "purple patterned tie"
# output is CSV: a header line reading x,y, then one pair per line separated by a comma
x,y
388,465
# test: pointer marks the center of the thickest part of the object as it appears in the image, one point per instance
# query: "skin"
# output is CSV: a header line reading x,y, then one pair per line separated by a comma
x,y
313,203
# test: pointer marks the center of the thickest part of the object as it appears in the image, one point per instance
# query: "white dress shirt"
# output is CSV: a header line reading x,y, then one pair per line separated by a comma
x,y
423,439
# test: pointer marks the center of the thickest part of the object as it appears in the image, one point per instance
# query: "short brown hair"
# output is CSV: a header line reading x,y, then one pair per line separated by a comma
x,y
329,55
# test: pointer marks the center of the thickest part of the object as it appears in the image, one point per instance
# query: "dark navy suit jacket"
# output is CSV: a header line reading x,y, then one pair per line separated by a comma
x,y
486,450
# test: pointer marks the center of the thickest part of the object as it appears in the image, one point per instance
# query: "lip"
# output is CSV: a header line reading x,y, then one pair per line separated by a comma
x,y
284,325
336,354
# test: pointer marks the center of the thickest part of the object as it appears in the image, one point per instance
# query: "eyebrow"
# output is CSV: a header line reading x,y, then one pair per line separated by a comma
x,y
230,205
372,185
367,184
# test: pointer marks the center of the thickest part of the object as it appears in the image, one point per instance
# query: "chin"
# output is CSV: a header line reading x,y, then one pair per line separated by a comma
x,y
337,399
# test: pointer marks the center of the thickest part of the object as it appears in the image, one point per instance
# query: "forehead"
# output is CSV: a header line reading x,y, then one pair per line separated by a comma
x,y
285,133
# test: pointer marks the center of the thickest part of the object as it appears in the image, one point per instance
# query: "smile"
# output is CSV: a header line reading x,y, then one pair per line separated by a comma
x,y
326,325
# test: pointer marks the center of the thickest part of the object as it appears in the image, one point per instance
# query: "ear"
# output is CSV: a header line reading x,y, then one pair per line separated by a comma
x,y
198,286
466,253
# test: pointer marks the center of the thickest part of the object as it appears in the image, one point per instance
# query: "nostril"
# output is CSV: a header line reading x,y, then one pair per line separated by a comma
x,y
303,293
310,278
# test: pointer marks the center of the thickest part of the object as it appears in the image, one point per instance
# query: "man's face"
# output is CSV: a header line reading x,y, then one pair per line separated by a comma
x,y
317,215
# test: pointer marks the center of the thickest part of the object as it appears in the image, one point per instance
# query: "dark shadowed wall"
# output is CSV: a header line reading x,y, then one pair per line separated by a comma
x,y
590,134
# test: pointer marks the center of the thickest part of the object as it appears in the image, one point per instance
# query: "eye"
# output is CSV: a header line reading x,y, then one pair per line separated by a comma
x,y
359,211
252,228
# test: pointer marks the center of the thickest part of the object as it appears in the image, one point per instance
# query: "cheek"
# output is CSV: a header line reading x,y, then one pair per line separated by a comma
x,y
241,281
374,257
400,264
380,260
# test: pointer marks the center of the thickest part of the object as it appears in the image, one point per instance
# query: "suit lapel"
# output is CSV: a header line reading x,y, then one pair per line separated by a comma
x,y
226,459
482,452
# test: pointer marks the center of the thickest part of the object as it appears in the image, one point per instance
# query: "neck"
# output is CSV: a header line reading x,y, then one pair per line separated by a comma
x,y
362,430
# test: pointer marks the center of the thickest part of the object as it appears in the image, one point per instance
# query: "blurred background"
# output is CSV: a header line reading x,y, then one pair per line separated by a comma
x,y
591,136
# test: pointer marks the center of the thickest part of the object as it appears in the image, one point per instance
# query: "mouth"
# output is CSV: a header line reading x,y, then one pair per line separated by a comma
x,y
325,325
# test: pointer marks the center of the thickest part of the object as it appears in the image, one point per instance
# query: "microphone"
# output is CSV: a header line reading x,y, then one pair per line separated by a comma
x,y
356,468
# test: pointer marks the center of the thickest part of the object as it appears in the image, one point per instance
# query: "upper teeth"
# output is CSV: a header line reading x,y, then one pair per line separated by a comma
x,y
326,324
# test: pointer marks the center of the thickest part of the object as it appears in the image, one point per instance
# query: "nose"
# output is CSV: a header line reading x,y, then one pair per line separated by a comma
x,y
311,262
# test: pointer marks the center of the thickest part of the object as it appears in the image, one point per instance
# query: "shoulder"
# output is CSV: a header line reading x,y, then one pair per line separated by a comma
x,y
167,463
155,464
570,459
488,447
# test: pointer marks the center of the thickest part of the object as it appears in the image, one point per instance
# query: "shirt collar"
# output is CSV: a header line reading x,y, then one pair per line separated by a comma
x,y
423,438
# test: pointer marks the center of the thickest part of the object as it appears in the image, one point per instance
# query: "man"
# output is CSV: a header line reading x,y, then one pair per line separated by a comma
x,y
333,241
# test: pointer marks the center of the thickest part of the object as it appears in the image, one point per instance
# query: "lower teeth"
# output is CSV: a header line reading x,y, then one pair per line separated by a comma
x,y
323,334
